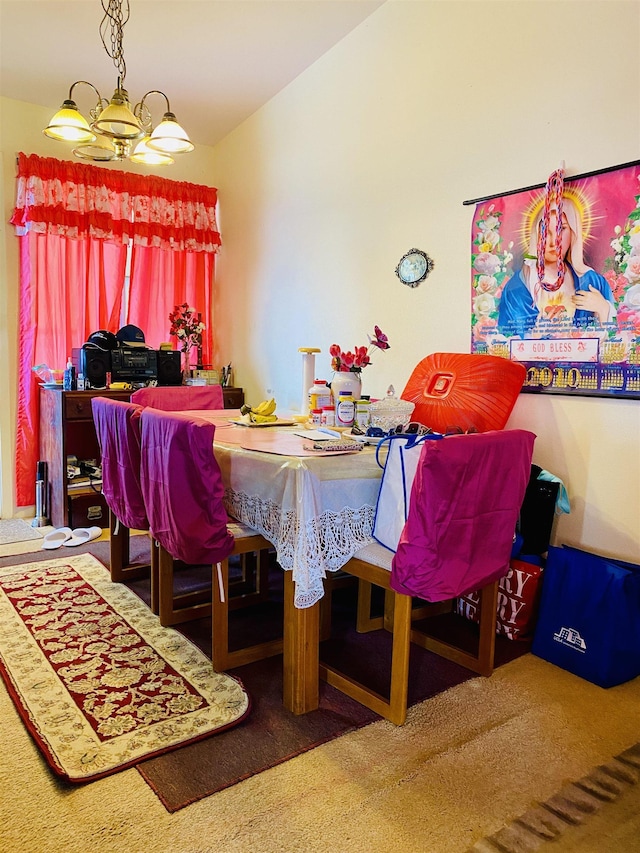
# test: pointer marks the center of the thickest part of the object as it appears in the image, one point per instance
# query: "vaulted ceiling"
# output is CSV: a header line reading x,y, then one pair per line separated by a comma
x,y
218,61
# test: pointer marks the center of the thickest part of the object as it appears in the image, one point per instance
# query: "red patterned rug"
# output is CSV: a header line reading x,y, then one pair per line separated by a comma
x,y
99,684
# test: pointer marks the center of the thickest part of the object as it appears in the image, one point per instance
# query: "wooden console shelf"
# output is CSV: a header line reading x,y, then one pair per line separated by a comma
x,y
66,429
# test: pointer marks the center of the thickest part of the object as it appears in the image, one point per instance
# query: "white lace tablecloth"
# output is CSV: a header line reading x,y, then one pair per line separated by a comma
x,y
317,511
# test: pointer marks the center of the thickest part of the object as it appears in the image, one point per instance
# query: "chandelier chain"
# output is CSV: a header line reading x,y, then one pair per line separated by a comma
x,y
112,30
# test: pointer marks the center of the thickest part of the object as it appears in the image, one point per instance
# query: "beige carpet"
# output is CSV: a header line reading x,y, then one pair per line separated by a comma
x,y
467,763
31,546
19,530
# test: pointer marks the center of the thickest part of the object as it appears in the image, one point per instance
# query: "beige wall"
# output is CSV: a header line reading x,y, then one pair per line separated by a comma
x,y
371,152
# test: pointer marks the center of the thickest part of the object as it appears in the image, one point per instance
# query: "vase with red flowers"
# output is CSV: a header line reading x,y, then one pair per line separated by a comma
x,y
348,365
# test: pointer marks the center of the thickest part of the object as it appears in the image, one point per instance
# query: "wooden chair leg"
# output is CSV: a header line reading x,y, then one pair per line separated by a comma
x,y
488,625
118,549
364,621
394,708
483,661
120,567
326,603
155,576
253,588
332,581
222,657
174,609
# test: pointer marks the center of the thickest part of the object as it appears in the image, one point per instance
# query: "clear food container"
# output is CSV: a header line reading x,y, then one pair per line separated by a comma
x,y
391,412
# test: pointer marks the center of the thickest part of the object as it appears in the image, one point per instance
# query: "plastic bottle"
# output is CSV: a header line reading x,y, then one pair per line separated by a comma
x,y
316,417
362,417
69,377
80,383
328,416
319,395
345,409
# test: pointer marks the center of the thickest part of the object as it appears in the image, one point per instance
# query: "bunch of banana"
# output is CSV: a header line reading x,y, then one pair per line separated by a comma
x,y
260,414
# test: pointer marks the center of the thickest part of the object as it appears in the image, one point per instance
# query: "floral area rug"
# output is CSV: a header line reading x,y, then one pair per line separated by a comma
x,y
99,684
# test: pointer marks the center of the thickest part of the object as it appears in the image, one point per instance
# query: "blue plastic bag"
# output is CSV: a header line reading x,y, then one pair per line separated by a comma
x,y
589,618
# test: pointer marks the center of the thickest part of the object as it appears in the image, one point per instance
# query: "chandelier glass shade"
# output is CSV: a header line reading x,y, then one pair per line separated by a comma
x,y
114,128
142,153
69,125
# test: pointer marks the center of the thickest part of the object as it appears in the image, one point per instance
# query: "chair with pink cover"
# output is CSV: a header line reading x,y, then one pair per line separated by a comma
x,y
117,426
183,492
458,536
252,586
180,398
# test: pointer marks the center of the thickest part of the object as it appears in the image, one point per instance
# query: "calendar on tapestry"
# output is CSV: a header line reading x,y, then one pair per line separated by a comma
x,y
556,282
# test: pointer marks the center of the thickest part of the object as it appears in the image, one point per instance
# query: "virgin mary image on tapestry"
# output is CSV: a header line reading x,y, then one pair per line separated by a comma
x,y
556,282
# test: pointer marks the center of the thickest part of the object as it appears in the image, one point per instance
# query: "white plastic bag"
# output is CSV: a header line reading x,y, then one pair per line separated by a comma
x,y
392,508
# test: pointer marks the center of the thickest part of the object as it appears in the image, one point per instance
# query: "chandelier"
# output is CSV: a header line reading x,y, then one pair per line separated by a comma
x,y
117,132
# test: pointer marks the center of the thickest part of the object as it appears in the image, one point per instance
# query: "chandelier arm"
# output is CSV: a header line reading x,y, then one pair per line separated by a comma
x,y
101,101
142,112
155,92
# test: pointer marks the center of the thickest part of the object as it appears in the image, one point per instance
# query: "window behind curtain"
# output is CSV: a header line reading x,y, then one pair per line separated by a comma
x,y
74,223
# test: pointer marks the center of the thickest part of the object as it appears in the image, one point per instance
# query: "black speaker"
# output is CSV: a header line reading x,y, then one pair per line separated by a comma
x,y
169,370
93,363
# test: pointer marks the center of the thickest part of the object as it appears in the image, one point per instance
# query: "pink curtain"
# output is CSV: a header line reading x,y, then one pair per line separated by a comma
x,y
175,238
161,279
74,222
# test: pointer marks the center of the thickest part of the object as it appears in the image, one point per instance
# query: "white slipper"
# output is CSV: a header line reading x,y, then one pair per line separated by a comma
x,y
82,535
56,538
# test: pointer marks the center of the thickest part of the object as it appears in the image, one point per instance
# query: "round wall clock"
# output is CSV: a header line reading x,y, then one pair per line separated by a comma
x,y
414,267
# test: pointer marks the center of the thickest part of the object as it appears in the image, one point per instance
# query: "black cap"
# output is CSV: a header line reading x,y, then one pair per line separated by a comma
x,y
103,340
130,335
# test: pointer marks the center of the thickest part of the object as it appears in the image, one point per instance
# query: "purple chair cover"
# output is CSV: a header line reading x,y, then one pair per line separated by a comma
x,y
182,487
118,430
180,397
463,510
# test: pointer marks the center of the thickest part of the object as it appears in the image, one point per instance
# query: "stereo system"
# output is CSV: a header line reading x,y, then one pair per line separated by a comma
x,y
127,364
130,364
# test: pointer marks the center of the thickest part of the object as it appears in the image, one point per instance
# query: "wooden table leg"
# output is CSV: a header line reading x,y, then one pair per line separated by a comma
x,y
301,653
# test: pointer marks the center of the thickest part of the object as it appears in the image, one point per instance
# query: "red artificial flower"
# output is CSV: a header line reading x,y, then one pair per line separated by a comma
x,y
355,361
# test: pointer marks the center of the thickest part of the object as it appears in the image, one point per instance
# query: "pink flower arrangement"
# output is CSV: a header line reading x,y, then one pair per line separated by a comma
x,y
355,361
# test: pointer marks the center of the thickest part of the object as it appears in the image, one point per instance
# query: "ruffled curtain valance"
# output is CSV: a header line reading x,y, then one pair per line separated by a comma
x,y
75,200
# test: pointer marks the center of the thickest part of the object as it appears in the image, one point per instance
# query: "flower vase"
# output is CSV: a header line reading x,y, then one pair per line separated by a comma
x,y
186,365
346,380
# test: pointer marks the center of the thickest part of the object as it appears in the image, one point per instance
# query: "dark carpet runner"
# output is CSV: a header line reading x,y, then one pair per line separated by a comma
x,y
271,735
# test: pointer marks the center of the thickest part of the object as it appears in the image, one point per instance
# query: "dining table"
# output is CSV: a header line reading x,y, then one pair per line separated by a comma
x,y
316,507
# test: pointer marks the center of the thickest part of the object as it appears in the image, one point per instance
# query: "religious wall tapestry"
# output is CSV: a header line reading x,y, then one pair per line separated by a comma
x,y
556,282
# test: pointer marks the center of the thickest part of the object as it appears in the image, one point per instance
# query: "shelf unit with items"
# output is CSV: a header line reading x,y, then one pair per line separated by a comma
x,y
67,430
